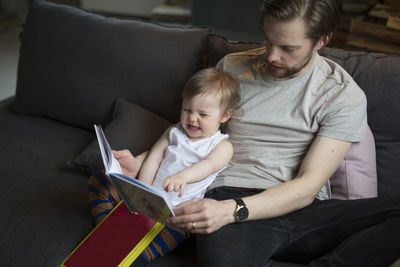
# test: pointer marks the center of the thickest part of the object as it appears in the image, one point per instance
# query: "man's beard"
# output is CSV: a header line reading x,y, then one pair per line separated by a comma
x,y
292,71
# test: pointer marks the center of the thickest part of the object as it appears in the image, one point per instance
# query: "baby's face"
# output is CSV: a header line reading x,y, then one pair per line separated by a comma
x,y
201,116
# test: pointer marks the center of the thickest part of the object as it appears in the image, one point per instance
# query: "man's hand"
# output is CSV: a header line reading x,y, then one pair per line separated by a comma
x,y
203,216
129,164
175,183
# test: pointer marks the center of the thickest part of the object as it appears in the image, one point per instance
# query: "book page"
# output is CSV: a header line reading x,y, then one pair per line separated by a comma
x,y
138,196
111,164
143,198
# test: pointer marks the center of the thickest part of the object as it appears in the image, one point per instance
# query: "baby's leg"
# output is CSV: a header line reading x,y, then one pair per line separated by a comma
x,y
103,196
166,241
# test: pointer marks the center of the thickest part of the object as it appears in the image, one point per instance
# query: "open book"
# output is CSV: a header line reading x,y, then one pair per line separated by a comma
x,y
138,196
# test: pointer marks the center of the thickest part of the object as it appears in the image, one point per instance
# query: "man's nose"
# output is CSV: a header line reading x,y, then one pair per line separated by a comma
x,y
272,54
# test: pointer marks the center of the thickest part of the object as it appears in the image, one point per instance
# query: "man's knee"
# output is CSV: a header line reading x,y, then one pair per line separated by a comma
x,y
250,243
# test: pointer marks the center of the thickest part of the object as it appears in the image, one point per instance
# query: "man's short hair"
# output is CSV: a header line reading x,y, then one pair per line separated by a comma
x,y
321,16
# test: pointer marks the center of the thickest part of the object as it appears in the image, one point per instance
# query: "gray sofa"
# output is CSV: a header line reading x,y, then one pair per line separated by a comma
x,y
78,68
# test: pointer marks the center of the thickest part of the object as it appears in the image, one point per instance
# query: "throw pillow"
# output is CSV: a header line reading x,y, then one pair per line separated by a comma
x,y
132,128
74,68
356,176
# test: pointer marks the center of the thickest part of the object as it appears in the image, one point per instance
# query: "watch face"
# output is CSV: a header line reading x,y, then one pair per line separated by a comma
x,y
242,214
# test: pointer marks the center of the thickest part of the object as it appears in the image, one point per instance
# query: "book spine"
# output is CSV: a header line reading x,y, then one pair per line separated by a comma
x,y
393,22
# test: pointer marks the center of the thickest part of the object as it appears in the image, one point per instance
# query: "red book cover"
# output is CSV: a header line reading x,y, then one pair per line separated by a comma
x,y
117,241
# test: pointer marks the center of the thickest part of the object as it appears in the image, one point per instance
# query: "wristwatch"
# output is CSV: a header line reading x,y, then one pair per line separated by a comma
x,y
241,212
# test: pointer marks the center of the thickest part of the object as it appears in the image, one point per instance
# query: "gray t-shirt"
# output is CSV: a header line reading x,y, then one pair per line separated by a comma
x,y
277,121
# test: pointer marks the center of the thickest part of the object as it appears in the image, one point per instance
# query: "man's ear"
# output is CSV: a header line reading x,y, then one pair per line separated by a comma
x,y
227,115
323,41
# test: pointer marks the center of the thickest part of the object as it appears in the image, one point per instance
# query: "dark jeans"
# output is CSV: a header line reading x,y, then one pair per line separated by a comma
x,y
363,232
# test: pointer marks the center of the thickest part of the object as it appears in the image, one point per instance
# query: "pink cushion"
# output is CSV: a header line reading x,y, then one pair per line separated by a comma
x,y
356,176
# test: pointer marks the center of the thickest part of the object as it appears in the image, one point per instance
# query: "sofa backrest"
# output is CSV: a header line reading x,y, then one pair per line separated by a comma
x,y
74,64
379,76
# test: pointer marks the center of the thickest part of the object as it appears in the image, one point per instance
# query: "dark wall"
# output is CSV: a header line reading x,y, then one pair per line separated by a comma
x,y
235,19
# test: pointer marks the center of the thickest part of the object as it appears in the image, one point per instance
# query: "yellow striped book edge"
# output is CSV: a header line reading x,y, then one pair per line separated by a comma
x,y
146,240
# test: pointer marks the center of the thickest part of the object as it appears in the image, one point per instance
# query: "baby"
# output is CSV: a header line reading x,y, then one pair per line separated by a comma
x,y
185,160
187,157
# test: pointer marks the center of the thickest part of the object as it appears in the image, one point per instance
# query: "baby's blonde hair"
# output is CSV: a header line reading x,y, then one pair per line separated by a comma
x,y
213,80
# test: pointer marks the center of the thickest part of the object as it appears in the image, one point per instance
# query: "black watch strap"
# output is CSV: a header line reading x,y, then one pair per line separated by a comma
x,y
241,212
240,202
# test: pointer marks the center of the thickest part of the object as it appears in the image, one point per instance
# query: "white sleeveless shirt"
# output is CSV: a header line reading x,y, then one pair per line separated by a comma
x,y
182,153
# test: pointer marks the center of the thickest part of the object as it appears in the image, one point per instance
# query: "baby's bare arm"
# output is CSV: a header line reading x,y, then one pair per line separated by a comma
x,y
153,160
218,158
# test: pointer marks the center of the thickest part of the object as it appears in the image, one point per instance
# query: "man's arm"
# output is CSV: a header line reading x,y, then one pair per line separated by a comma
x,y
217,159
153,160
320,162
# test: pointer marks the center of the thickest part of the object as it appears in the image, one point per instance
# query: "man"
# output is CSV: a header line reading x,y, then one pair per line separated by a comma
x,y
300,113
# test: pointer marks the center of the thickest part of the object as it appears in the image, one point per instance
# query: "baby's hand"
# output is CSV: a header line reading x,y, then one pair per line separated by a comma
x,y
175,183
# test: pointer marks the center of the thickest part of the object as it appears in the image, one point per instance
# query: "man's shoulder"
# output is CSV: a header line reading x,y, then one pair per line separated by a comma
x,y
335,76
331,67
336,72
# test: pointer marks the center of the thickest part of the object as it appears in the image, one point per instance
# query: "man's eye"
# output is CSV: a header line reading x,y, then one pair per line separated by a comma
x,y
203,115
289,49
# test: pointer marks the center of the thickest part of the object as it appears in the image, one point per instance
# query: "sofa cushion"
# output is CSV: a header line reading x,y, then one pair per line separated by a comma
x,y
132,128
356,176
73,64
44,206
